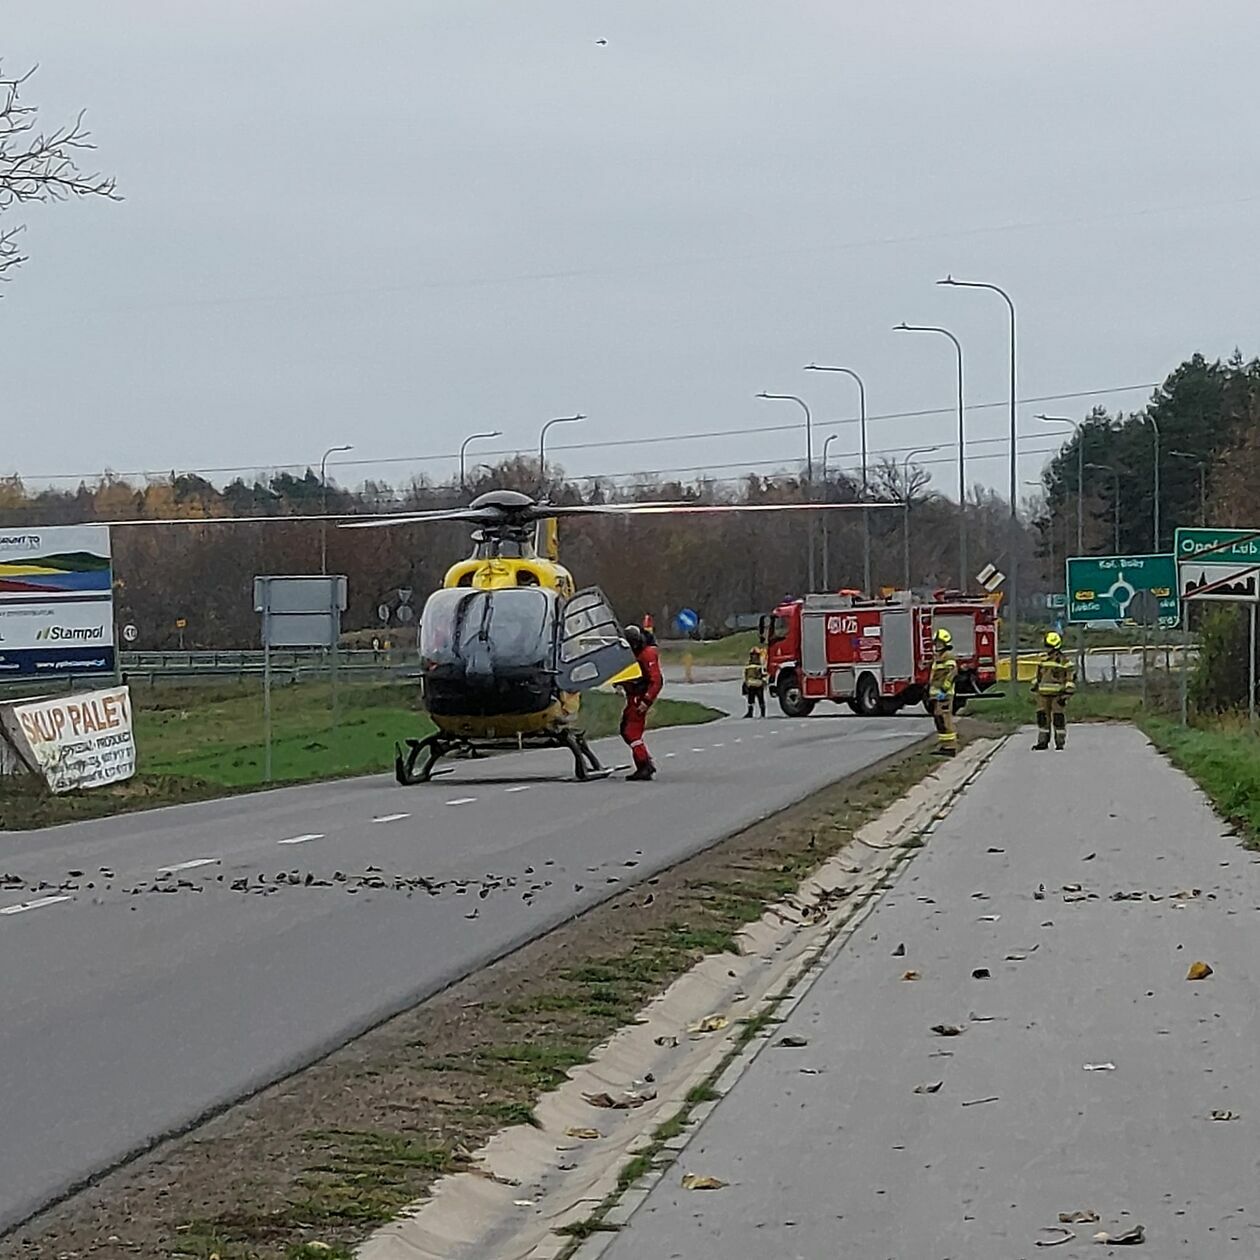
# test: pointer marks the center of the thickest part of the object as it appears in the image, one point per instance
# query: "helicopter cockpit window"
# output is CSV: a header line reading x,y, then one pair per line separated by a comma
x,y
589,624
489,630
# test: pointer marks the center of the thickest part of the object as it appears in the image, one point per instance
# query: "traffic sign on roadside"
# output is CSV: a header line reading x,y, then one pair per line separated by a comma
x,y
130,633
1101,588
1229,567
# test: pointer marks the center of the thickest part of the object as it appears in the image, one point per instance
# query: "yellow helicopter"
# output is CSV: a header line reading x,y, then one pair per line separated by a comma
x,y
508,644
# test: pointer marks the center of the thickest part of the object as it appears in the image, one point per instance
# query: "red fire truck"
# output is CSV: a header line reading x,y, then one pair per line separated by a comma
x,y
874,655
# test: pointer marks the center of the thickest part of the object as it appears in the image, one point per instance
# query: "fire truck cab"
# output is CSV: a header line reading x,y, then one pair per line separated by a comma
x,y
874,655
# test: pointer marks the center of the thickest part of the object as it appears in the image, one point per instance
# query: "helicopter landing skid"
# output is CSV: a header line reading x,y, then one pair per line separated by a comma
x,y
417,764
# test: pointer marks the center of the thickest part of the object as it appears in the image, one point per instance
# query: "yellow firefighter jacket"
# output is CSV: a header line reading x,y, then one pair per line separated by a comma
x,y
754,676
944,671
1056,676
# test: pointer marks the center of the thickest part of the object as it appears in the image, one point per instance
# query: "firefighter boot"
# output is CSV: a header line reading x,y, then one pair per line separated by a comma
x,y
1043,731
641,774
1060,730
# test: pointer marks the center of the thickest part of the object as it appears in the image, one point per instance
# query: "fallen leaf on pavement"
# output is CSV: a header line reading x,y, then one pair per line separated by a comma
x,y
1078,1218
1223,1115
1198,971
1071,888
995,849
1127,896
988,918
910,975
585,1135
669,1042
1187,894
947,1030
1100,1067
1016,957
900,951
979,1102
710,1023
1089,857
929,1087
1040,894
1064,1235
693,1181
1130,1238
981,973
792,1043
627,1102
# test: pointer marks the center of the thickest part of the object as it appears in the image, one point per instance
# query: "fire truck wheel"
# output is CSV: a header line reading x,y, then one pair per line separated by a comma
x,y
866,700
791,701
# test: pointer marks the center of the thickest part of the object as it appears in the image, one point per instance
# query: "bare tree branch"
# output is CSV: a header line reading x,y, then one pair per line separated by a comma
x,y
39,166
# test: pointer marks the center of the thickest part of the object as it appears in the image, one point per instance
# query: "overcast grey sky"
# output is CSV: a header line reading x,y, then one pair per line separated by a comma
x,y
394,222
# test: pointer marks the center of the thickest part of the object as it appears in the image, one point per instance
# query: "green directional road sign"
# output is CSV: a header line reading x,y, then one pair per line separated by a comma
x,y
1223,562
1099,588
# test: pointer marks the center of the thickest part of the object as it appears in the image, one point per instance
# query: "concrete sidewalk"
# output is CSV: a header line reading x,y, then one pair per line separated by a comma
x,y
829,1151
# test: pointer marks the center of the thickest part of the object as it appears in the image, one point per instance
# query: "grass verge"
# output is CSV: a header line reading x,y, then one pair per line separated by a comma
x,y
200,742
325,1156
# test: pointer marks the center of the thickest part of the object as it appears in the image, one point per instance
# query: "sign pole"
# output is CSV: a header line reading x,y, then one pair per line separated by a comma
x,y
267,703
1251,672
1144,638
1185,669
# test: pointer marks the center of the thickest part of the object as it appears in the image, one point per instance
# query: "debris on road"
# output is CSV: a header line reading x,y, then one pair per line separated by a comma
x,y
1086,1217
693,1181
947,1030
1130,1238
1064,1236
1100,1067
583,1134
929,1087
911,975
629,1101
1198,971
792,1043
981,973
988,918
1223,1115
668,1042
979,1102
900,951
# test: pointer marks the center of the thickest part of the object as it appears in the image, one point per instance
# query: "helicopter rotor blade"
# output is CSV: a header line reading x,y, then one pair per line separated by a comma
x,y
476,516
700,509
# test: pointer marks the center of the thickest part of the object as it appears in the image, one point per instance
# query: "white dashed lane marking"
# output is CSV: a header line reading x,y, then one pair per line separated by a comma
x,y
190,865
462,800
33,905
387,818
671,754
520,787
314,835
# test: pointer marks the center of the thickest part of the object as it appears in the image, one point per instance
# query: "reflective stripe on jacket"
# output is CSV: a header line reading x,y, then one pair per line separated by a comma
x,y
1056,675
944,671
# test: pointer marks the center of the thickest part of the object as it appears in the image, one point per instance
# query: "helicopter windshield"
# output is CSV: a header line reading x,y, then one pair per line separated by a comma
x,y
486,631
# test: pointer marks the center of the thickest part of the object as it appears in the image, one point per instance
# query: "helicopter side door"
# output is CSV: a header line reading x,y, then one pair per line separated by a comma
x,y
592,649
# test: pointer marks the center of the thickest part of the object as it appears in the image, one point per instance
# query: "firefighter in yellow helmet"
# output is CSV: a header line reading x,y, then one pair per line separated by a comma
x,y
1055,682
941,692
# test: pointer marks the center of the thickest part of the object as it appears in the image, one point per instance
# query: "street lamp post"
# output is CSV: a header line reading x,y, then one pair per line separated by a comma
x,y
1155,504
323,500
905,495
463,449
1202,481
542,444
1014,525
1115,474
962,445
826,523
1080,477
866,522
809,466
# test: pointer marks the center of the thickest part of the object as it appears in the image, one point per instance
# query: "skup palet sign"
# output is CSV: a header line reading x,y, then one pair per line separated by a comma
x,y
76,741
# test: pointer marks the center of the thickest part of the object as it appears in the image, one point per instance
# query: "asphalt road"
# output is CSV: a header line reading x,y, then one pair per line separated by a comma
x,y
134,1002
828,1150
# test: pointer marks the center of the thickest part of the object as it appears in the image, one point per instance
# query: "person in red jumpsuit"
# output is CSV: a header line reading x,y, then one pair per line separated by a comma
x,y
640,693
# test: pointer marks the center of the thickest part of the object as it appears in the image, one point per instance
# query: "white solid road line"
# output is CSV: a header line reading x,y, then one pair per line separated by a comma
x,y
189,866
462,800
384,818
33,905
314,835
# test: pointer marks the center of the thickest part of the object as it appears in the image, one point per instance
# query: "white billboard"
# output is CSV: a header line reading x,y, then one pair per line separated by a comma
x,y
56,601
